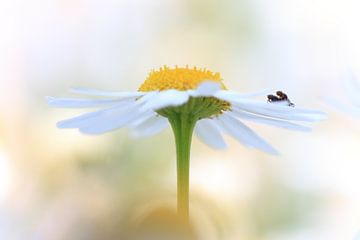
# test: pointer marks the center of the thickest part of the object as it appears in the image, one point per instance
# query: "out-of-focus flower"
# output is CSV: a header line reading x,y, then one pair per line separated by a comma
x,y
351,102
198,94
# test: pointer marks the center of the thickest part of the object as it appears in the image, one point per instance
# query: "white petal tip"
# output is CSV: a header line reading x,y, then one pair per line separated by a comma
x,y
50,100
275,154
91,132
62,125
269,150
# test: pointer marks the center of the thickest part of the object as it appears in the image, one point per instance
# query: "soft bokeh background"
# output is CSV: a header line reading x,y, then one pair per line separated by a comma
x,y
57,184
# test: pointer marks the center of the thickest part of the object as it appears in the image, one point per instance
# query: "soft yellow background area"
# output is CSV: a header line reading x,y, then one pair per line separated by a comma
x,y
59,184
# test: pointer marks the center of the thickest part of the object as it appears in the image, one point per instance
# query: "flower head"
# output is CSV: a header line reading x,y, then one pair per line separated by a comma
x,y
197,94
181,79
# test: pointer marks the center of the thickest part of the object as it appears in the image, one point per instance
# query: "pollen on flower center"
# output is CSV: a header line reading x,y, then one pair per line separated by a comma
x,y
179,78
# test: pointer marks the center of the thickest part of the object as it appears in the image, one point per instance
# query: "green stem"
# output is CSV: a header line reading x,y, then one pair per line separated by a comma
x,y
183,126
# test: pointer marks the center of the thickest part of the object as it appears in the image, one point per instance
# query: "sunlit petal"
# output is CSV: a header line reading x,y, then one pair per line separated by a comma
x,y
149,127
282,112
269,121
210,134
244,134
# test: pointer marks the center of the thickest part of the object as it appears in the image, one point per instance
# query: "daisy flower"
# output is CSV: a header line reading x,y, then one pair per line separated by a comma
x,y
189,100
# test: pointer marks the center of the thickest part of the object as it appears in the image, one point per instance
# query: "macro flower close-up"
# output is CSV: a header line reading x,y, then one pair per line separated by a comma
x,y
190,99
179,120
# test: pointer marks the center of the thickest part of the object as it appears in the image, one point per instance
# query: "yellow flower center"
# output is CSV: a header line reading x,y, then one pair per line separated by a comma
x,y
177,78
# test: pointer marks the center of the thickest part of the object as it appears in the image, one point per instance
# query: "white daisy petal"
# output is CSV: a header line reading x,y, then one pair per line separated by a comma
x,y
166,98
270,110
281,108
139,121
152,126
276,111
269,121
103,120
110,120
146,97
80,103
105,124
244,134
116,112
220,122
76,122
82,119
205,89
228,95
209,133
96,92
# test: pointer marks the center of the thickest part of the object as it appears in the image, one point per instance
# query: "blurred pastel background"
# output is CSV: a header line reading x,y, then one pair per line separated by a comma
x,y
59,184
